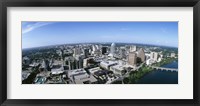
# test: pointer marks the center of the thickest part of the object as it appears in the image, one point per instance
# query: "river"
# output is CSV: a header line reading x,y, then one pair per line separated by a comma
x,y
161,77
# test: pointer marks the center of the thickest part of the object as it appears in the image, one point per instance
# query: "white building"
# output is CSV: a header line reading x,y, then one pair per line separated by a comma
x,y
122,52
147,56
44,65
112,50
85,62
154,56
117,69
173,54
108,64
93,70
77,51
94,49
57,69
150,61
133,48
159,59
77,74
80,76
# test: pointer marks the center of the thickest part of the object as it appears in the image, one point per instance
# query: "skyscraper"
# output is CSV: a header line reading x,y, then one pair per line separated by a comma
x,y
133,48
70,61
94,48
104,50
79,61
44,64
112,51
132,58
77,51
154,56
122,52
86,52
141,55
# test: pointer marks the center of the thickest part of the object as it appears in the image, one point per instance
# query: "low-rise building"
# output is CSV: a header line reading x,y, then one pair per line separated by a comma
x,y
150,61
90,80
77,73
57,69
107,64
80,76
117,69
173,54
93,70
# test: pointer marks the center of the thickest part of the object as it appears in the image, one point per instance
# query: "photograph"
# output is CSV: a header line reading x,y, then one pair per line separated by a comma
x,y
99,52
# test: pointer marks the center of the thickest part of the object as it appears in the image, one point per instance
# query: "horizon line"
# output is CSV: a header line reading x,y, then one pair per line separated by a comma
x,y
98,42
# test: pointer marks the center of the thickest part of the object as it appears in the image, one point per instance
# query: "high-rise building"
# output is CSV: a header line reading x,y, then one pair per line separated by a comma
x,y
86,52
85,63
154,56
133,48
151,55
104,50
44,64
132,58
79,61
112,48
94,48
77,51
97,47
122,52
141,54
70,61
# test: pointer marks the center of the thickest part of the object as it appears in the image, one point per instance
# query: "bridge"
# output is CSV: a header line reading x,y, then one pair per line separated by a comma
x,y
165,69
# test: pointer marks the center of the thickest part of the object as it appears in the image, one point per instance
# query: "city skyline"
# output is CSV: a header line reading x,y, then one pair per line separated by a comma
x,y
37,34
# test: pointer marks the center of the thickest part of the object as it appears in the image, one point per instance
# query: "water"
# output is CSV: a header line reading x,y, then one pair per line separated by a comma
x,y
161,77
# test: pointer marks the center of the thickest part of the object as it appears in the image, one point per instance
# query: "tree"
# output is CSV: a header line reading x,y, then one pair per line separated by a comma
x,y
126,80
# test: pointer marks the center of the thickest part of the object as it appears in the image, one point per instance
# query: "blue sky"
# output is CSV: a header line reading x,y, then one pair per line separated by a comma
x,y
35,34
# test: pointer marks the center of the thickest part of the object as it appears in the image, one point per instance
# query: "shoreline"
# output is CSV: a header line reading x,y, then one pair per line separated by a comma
x,y
134,77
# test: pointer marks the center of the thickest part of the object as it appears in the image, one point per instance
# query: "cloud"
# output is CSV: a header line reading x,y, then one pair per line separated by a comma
x,y
27,27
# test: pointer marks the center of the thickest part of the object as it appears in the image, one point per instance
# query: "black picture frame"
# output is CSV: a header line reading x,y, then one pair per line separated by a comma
x,y
99,3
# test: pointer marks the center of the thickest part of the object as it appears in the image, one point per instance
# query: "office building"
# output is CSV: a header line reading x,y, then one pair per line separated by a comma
x,y
154,56
104,50
132,58
141,55
86,53
107,64
133,48
173,54
112,48
122,52
77,51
